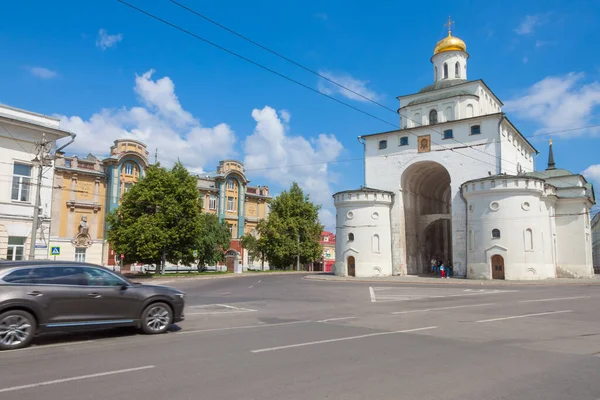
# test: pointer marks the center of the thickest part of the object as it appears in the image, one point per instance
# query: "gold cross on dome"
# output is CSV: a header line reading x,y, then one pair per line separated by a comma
x,y
449,25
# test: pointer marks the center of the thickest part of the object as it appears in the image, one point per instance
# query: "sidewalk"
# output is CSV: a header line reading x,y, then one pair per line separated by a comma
x,y
427,280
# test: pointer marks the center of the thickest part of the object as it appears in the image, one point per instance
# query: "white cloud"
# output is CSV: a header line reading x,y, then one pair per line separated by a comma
x,y
592,174
559,103
42,73
355,85
530,23
282,158
105,41
162,124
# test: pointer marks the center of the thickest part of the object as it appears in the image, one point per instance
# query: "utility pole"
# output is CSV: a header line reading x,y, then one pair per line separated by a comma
x,y
298,254
41,149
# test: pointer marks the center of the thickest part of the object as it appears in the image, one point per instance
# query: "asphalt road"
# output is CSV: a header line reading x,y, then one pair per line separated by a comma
x,y
284,337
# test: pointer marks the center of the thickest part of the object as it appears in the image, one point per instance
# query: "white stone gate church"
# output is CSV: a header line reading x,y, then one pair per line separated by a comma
x,y
457,182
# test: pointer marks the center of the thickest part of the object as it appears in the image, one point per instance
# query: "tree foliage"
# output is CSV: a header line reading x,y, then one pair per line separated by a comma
x,y
159,218
213,240
293,218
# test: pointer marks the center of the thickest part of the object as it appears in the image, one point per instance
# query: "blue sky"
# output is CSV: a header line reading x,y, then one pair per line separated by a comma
x,y
108,71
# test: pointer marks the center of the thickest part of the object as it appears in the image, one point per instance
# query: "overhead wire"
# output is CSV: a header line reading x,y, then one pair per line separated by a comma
x,y
302,84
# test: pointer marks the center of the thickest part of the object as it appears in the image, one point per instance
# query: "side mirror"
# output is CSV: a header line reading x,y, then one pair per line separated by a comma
x,y
124,286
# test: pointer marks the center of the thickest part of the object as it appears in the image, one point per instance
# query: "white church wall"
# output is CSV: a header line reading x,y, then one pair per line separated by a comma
x,y
574,257
363,232
595,226
513,207
462,164
515,151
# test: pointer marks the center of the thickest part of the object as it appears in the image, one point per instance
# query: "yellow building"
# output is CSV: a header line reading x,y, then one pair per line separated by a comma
x,y
226,193
85,191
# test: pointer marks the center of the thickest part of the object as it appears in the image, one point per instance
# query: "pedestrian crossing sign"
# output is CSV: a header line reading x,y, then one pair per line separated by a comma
x,y
55,250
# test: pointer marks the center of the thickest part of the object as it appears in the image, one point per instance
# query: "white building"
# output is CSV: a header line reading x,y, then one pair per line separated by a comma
x,y
457,151
20,134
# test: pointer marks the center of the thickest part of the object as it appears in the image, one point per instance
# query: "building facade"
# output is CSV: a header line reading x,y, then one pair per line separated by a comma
x,y
85,191
227,193
454,135
328,259
21,135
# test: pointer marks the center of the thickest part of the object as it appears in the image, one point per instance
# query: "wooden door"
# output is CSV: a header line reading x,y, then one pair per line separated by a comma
x,y
229,263
497,267
351,266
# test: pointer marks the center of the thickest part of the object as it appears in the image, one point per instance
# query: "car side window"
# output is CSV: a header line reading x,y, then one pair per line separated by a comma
x,y
22,275
59,276
98,277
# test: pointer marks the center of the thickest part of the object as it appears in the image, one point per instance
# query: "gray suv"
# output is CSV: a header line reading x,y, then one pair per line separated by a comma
x,y
49,296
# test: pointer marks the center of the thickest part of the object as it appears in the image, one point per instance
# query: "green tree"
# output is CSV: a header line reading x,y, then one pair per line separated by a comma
x,y
292,228
213,240
158,219
256,246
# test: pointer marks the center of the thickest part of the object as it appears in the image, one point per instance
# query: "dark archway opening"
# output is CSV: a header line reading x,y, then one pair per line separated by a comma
x,y
427,215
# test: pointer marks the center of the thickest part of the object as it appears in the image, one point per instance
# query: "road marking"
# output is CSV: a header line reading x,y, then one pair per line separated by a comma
x,y
373,299
336,319
46,346
242,327
260,281
555,299
525,316
74,378
443,308
225,293
250,287
341,339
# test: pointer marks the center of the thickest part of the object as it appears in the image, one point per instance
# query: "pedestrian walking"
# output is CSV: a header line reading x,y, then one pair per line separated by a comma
x,y
433,264
442,271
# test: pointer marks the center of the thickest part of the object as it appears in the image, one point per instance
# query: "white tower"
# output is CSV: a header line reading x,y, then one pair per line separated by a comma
x,y
363,234
450,58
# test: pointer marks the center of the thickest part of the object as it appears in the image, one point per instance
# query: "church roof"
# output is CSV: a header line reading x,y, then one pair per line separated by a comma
x,y
443,84
440,96
365,189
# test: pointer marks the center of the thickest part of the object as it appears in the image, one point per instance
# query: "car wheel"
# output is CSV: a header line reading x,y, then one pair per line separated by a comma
x,y
156,318
17,329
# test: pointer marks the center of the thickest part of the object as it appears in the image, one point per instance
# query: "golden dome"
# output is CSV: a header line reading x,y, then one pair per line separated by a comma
x,y
449,43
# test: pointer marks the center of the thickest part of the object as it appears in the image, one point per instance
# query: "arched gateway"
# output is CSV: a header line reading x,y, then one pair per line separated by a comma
x,y
427,210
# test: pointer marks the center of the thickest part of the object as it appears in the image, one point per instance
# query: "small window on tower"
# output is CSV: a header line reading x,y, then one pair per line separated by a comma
x,y
445,71
475,130
448,134
457,70
404,141
433,117
351,237
382,144
495,233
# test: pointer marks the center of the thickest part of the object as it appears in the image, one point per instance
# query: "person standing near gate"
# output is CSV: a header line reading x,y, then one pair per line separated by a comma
x,y
442,271
433,264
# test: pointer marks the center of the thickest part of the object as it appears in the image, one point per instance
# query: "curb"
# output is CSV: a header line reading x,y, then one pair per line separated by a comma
x,y
166,278
467,282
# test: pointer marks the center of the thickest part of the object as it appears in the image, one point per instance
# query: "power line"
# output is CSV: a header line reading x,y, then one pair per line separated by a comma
x,y
280,55
304,85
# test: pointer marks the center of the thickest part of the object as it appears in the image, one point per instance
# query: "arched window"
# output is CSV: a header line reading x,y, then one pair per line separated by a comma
x,y
433,117
435,73
129,168
448,114
351,237
230,184
495,233
528,240
445,71
375,243
457,70
417,120
470,111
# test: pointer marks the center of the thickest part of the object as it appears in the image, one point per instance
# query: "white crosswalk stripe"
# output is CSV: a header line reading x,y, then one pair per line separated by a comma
x,y
389,294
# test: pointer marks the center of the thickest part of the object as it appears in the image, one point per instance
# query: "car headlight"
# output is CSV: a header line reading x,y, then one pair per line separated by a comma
x,y
180,295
